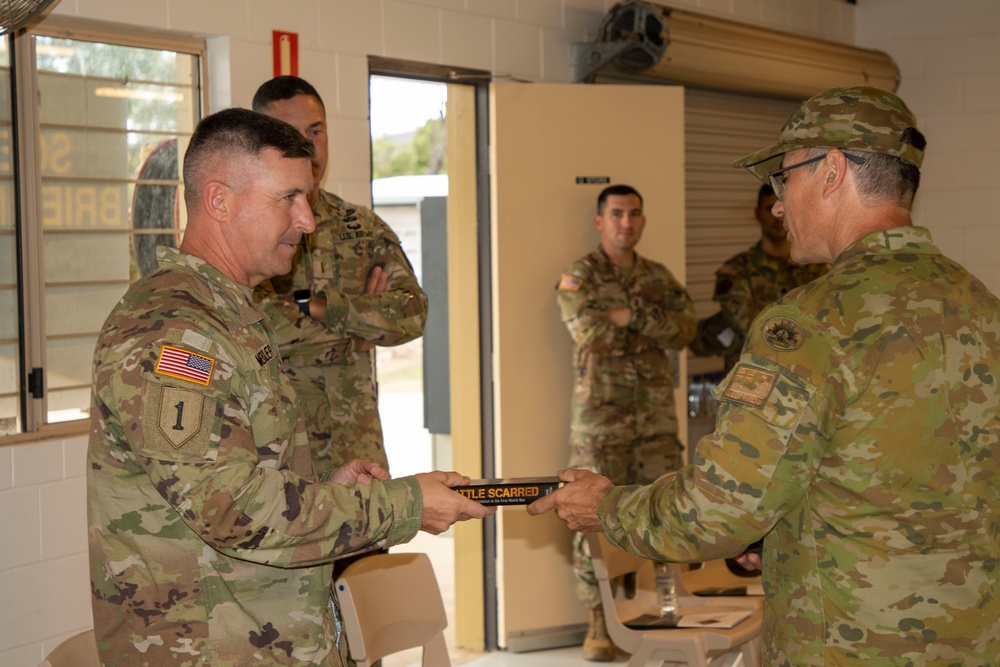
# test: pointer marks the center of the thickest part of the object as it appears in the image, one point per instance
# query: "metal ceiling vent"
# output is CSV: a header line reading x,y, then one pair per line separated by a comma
x,y
642,41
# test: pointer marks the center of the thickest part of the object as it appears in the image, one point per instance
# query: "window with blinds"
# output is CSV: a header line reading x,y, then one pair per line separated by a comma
x,y
10,323
102,118
137,103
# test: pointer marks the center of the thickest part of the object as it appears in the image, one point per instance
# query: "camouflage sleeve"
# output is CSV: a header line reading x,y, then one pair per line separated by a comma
x,y
585,314
390,318
735,298
302,341
774,422
664,312
226,493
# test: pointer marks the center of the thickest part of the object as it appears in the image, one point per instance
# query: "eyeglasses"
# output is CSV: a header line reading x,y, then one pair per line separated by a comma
x,y
779,177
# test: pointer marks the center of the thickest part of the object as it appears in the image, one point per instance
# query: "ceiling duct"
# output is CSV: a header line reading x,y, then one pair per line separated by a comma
x,y
642,41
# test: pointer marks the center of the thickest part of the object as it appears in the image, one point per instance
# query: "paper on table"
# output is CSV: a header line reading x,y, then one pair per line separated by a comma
x,y
725,619
691,619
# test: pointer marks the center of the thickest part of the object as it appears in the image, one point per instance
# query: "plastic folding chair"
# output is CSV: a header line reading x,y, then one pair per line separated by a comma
x,y
695,647
391,602
78,651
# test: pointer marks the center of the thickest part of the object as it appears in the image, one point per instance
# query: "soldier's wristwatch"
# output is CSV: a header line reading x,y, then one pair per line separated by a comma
x,y
301,298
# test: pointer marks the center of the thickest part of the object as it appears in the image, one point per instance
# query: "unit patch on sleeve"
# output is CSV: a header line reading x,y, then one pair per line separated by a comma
x,y
180,415
750,386
178,363
570,282
783,334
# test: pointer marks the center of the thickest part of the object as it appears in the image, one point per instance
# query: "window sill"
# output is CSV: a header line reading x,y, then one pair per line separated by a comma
x,y
48,432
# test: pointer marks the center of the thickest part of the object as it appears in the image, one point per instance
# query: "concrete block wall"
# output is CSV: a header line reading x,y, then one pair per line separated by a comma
x,y
524,39
44,580
949,56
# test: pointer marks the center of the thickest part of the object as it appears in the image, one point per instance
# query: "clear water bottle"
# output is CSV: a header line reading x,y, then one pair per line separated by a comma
x,y
666,589
694,398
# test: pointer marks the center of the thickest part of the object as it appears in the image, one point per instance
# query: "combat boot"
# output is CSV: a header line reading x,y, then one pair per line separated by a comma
x,y
598,646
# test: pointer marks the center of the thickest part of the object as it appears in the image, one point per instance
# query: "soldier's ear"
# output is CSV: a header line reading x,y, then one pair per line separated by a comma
x,y
216,198
835,165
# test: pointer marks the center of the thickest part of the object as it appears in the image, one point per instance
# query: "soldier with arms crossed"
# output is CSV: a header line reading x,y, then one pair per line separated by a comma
x,y
211,540
353,289
752,279
858,433
623,312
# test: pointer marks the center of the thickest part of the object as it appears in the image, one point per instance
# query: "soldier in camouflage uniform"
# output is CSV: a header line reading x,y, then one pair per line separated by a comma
x,y
859,431
210,538
623,312
355,289
758,276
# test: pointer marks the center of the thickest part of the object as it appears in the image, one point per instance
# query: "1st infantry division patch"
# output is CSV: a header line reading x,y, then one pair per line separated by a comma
x,y
180,415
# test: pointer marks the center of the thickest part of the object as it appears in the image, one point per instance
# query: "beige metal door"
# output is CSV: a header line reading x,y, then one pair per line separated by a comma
x,y
548,143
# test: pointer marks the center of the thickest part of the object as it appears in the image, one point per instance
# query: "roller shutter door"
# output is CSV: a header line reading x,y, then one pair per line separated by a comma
x,y
719,128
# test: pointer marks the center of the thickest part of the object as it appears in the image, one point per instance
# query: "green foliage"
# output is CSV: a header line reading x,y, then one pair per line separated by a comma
x,y
423,152
159,87
109,61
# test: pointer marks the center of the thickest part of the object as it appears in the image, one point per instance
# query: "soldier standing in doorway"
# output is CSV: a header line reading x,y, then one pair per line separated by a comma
x,y
624,312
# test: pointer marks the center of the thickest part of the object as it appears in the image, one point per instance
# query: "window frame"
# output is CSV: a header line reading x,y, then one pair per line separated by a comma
x,y
26,138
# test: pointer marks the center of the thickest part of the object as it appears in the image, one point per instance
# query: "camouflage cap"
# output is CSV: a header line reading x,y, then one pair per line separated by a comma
x,y
859,118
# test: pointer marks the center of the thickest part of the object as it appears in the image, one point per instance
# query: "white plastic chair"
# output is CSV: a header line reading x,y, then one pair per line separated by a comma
x,y
694,647
391,602
78,651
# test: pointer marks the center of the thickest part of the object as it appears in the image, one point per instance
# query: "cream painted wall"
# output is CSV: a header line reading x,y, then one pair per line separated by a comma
x,y
44,593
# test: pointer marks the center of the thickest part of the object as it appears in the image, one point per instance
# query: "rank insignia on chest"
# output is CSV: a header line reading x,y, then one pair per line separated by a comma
x,y
264,355
571,283
783,334
750,386
190,366
353,236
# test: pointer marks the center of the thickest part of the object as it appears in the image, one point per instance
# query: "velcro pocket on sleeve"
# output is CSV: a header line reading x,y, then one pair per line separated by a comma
x,y
769,391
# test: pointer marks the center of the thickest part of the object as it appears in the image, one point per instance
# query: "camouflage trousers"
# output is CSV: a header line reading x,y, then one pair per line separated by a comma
x,y
633,461
341,425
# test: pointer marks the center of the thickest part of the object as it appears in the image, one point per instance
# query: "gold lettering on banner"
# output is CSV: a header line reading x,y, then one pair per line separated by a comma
x,y
56,153
76,205
6,166
89,206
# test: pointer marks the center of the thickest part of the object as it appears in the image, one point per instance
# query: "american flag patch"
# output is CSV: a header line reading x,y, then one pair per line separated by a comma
x,y
569,282
185,365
